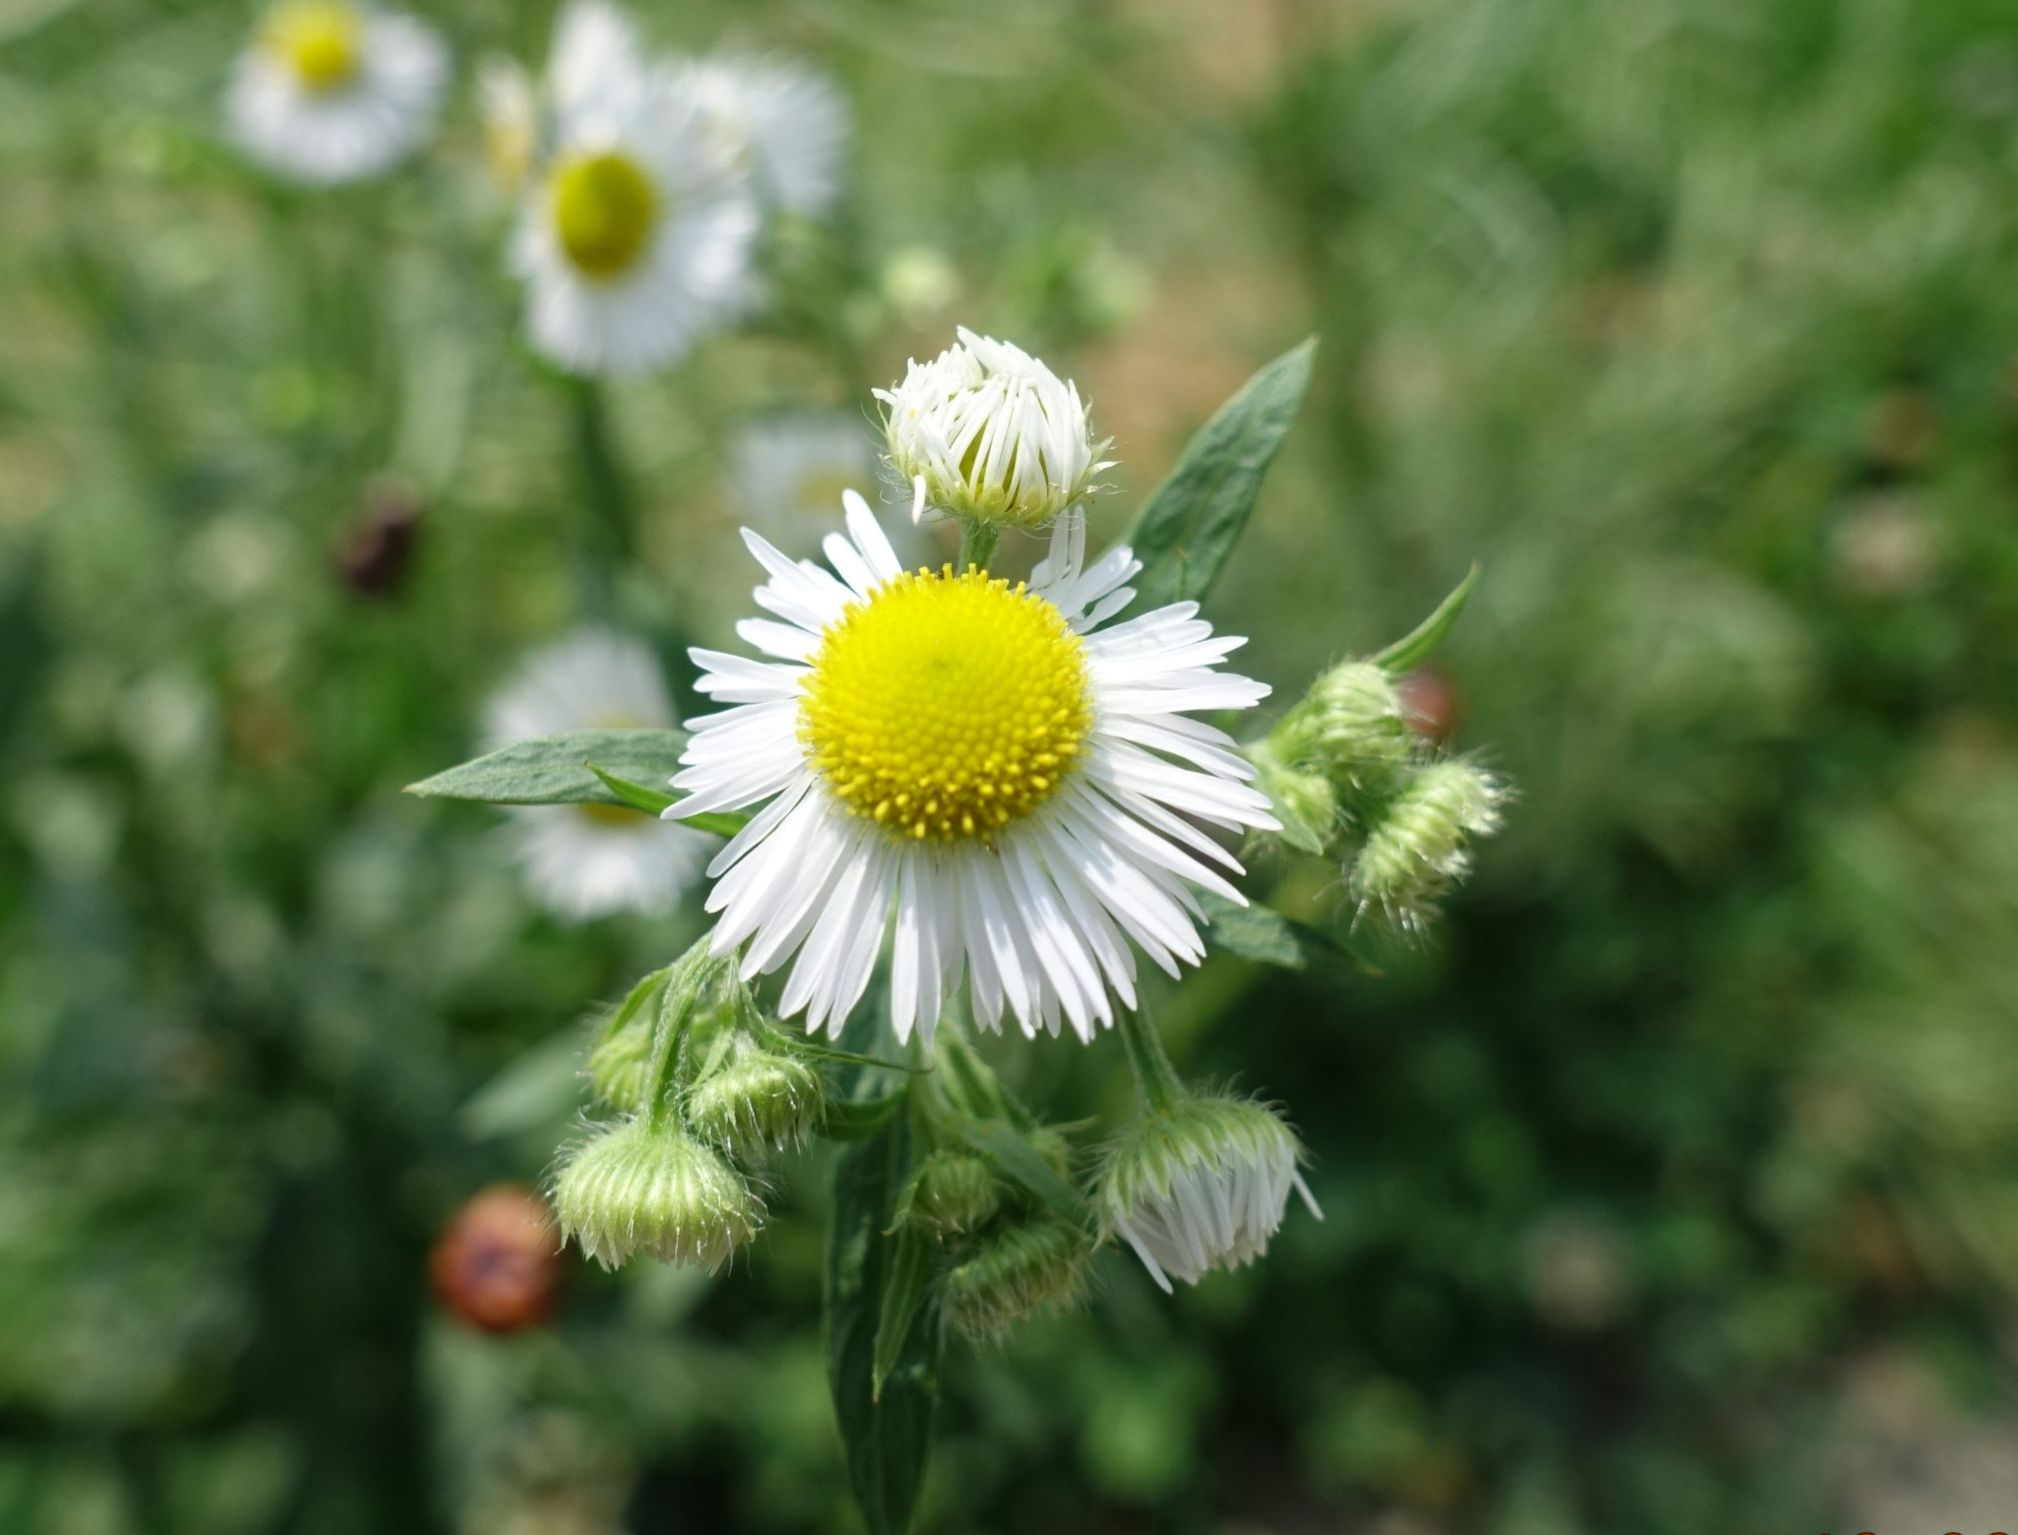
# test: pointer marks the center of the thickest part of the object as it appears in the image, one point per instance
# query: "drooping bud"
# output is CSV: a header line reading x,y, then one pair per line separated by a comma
x,y
987,432
1016,1269
1421,844
1201,1184
618,1063
660,1193
496,1265
757,1099
951,1193
1303,799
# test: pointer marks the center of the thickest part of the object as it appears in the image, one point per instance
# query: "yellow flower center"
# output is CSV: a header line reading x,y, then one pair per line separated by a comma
x,y
604,207
947,706
612,816
318,39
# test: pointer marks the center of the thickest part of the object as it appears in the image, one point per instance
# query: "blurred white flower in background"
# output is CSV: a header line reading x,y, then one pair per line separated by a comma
x,y
788,472
636,238
334,90
584,861
780,123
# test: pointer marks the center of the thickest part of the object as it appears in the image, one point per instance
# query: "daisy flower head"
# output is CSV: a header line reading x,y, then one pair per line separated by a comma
x,y
992,771
987,432
782,124
590,860
335,90
635,239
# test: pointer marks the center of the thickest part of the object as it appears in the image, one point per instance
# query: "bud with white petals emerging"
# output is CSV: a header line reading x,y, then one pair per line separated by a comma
x,y
1200,1183
1421,843
988,433
758,1099
657,1192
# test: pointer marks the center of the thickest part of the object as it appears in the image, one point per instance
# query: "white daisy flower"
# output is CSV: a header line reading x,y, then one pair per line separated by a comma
x,y
978,764
335,90
1201,1184
584,861
784,125
509,107
984,430
636,240
788,472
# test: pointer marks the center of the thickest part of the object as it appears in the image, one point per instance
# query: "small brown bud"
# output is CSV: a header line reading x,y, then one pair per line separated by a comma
x,y
497,1263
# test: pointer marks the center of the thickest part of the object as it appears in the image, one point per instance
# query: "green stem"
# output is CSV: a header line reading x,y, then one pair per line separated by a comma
x,y
604,483
977,543
1157,1078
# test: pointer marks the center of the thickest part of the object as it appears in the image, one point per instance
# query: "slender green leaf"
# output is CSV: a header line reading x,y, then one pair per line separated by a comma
x,y
887,1434
721,822
1021,1163
553,770
1420,643
1190,524
1261,933
905,1292
856,1119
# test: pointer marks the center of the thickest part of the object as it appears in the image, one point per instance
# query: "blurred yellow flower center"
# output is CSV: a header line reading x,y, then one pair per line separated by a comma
x,y
604,207
618,816
947,706
317,39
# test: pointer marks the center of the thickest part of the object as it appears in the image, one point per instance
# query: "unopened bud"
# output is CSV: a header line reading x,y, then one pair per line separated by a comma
x,y
1350,725
1015,1270
1201,1185
951,1192
757,1099
618,1064
660,1193
1421,844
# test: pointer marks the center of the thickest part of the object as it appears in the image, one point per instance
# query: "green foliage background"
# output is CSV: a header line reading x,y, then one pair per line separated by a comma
x,y
1672,1185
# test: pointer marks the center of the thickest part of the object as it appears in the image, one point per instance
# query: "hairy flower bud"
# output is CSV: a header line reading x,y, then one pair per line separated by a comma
x,y
1350,725
757,1099
1017,1269
986,431
661,1193
951,1192
618,1063
1421,844
1201,1185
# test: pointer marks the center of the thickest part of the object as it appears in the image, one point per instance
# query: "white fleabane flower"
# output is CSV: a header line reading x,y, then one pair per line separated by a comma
x,y
636,239
979,764
788,472
334,90
585,861
782,124
1201,1184
986,431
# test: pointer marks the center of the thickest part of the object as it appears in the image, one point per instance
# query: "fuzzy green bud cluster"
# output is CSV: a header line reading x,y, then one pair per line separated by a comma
x,y
1200,1183
756,1100
952,1193
1015,1269
636,1190
1420,846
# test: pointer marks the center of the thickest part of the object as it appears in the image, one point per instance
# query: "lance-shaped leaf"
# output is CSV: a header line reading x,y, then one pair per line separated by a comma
x,y
1416,647
554,770
1263,934
887,1432
1190,524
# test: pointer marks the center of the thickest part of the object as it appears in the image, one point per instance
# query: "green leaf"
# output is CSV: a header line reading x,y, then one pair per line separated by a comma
x,y
1261,933
554,769
904,1296
722,823
1021,1163
856,1119
886,1433
1189,525
1421,642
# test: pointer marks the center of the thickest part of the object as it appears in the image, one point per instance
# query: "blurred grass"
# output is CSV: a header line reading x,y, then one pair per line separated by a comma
x,y
1672,1186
